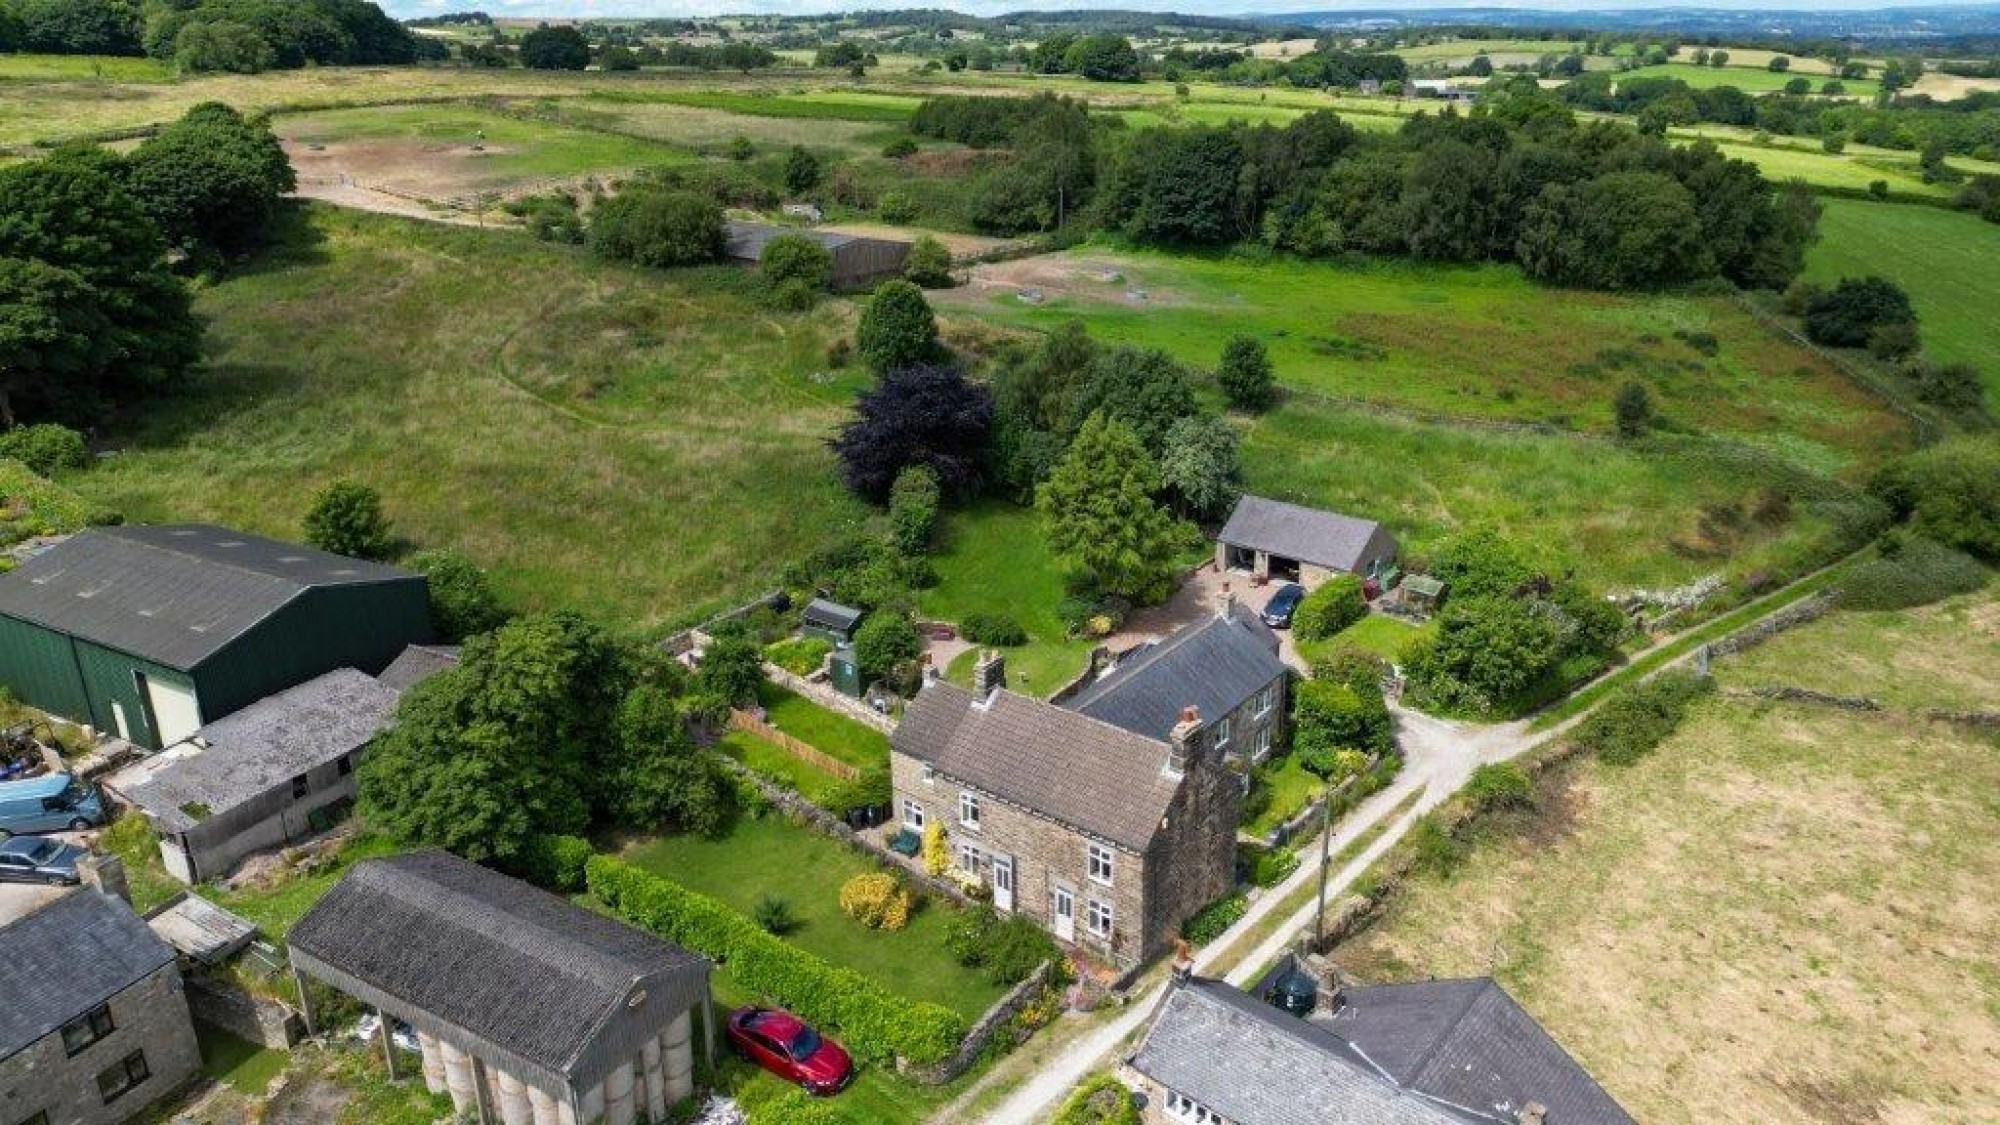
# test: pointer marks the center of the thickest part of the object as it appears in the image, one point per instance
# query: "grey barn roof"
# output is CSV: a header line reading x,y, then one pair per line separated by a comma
x,y
265,745
1469,1043
831,615
1215,666
174,594
746,241
497,966
418,663
1072,768
1256,1065
67,958
1308,535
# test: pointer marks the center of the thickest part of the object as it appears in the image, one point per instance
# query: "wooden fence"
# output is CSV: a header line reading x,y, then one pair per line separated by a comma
x,y
804,751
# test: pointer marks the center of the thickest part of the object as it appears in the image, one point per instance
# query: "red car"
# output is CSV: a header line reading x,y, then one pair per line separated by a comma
x,y
781,1043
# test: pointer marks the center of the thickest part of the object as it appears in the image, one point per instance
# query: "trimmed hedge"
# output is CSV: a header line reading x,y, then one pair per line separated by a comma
x,y
553,863
1213,920
873,1022
1641,717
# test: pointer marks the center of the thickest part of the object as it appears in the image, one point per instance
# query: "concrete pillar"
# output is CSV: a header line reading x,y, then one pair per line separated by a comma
x,y
427,1046
514,1106
655,1100
592,1108
677,1057
458,1077
547,1110
566,1109
618,1106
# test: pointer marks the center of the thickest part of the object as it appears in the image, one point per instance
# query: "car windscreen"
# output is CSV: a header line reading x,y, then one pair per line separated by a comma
x,y
805,1044
45,850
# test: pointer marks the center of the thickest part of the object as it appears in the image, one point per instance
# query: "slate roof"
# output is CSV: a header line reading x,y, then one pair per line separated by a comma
x,y
418,663
831,615
67,958
1309,535
1256,1065
1216,665
1467,1042
175,594
265,745
1095,777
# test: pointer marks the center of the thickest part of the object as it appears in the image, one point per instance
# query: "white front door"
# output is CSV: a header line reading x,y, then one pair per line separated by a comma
x,y
1003,883
1065,914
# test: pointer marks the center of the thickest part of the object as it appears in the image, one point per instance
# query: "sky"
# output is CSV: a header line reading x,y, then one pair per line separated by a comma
x,y
667,8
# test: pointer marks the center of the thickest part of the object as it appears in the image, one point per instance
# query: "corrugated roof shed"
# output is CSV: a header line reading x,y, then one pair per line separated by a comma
x,y
1308,535
746,241
264,746
1072,768
67,958
496,964
416,664
175,594
1215,665
1256,1065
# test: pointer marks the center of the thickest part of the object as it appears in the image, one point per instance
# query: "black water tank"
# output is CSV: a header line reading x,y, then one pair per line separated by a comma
x,y
1295,992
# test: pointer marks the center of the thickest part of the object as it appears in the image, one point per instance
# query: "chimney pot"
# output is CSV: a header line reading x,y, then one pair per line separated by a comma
x,y
1534,1113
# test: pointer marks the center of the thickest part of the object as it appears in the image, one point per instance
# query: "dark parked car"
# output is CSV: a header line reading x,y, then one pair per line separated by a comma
x,y
38,859
1278,611
781,1043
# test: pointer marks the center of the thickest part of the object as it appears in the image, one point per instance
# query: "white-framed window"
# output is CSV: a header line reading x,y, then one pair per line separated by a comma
x,y
1262,744
1265,699
1100,863
1222,732
930,773
970,858
1097,916
1183,1108
913,815
968,808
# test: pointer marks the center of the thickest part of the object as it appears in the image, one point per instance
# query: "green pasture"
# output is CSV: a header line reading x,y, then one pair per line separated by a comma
x,y
1462,50
1462,341
1948,261
814,105
441,140
634,444
71,68
1751,80
710,129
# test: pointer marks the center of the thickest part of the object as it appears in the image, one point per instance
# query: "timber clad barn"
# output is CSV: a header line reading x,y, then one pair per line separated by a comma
x,y
857,261
152,632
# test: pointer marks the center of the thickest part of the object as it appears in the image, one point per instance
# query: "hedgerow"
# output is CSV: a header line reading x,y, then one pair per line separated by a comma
x,y
873,1022
1211,921
553,862
1641,717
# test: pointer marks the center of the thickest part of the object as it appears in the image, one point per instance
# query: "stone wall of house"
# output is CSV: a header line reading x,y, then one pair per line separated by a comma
x,y
1193,860
1045,854
258,1019
150,1017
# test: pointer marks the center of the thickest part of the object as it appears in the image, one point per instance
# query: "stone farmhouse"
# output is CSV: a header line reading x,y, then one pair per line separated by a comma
x,y
1270,539
1108,838
528,1009
1226,667
94,1023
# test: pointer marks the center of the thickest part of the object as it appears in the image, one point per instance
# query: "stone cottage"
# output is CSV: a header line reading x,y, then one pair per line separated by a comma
x,y
1108,838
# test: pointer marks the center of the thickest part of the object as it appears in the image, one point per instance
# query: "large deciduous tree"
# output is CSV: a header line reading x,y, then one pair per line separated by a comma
x,y
1199,468
1622,230
555,48
924,415
98,315
1145,388
656,226
1101,517
212,180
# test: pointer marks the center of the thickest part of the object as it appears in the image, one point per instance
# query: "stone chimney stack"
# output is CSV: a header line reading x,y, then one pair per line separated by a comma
x,y
106,875
1228,602
1534,1113
1183,960
1182,745
989,674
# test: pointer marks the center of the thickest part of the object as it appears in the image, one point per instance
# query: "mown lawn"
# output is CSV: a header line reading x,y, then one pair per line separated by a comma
x,y
1945,260
857,744
1385,636
633,444
995,559
774,762
771,856
1291,788
1478,341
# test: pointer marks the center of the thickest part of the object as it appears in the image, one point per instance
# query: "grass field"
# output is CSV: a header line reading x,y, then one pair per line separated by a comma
x,y
1462,341
71,68
1945,656
634,444
770,856
1385,636
1462,50
1944,259
995,559
1784,914
1752,80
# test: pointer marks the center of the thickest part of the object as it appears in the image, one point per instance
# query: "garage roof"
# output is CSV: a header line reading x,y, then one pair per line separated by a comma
x,y
1308,535
175,594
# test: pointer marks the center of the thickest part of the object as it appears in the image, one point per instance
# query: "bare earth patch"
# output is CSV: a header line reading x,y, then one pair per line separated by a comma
x,y
1783,915
1100,278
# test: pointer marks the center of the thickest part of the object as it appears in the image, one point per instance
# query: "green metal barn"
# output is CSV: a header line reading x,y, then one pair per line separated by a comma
x,y
152,632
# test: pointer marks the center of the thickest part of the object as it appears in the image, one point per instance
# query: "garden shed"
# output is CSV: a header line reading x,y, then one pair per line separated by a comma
x,y
857,260
152,632
830,620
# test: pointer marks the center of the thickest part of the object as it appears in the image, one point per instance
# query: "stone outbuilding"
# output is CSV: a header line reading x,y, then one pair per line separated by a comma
x,y
1107,838
274,772
1270,539
528,1010
94,1023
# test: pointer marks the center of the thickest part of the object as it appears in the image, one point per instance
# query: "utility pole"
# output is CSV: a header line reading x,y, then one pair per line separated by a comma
x,y
1325,842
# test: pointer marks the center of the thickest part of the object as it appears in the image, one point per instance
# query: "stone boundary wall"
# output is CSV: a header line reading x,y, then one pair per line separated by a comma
x,y
828,698
261,1021
798,748
1791,617
992,1023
